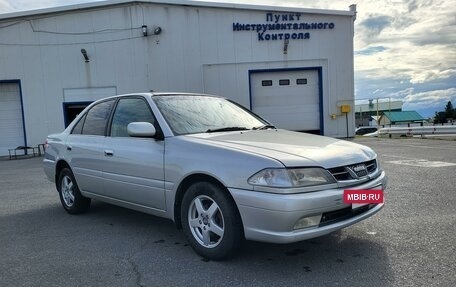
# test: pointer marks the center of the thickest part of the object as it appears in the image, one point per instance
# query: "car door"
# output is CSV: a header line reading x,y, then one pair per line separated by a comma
x,y
84,147
133,169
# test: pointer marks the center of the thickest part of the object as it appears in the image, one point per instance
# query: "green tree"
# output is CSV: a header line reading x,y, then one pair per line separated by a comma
x,y
445,115
439,118
449,110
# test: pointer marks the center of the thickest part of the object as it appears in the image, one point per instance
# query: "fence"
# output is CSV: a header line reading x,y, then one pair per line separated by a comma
x,y
419,130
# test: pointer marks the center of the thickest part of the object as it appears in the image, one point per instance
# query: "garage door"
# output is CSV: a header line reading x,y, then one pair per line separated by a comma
x,y
11,125
287,99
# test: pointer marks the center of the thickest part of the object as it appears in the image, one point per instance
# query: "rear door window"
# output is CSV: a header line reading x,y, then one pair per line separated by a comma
x,y
97,118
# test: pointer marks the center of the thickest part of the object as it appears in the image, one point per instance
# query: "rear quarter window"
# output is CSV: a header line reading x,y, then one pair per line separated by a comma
x,y
77,129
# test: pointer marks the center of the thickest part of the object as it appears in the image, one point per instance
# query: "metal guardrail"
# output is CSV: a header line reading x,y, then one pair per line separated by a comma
x,y
411,131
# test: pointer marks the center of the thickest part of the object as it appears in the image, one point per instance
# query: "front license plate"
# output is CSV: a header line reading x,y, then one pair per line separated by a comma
x,y
358,205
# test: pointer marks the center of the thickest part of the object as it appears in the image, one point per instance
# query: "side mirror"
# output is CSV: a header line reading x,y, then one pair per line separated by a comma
x,y
141,129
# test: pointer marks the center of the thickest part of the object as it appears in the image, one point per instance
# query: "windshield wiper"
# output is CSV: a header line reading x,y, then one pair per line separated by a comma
x,y
227,129
264,127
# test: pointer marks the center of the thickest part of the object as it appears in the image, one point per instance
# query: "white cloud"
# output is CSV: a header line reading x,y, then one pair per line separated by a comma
x,y
419,40
413,63
429,99
401,94
5,6
434,96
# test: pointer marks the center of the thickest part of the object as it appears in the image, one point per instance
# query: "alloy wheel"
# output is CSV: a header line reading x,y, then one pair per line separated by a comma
x,y
206,221
67,191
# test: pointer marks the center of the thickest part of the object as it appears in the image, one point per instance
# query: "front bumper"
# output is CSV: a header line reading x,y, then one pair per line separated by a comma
x,y
270,217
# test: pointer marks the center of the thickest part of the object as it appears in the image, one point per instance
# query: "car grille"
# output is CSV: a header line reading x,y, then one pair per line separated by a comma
x,y
354,171
343,214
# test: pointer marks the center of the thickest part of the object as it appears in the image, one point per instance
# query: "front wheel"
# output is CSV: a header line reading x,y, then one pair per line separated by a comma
x,y
70,196
210,221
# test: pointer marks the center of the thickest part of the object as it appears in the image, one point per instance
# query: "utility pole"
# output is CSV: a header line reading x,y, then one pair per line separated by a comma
x,y
377,115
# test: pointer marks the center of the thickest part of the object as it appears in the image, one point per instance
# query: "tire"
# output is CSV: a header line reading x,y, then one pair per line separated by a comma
x,y
210,221
70,196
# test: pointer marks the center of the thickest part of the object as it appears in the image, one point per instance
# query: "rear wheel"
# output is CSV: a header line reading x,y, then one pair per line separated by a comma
x,y
70,196
210,221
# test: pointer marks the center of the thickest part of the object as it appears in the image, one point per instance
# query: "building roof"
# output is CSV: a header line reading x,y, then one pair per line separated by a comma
x,y
382,106
100,4
404,116
375,118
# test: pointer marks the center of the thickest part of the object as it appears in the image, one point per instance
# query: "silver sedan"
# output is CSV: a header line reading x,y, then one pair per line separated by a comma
x,y
220,172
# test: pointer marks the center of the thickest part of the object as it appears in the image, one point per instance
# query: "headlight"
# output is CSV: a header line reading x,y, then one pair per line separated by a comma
x,y
291,177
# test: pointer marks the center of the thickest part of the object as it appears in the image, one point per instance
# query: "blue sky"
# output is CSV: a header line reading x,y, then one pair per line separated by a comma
x,y
404,50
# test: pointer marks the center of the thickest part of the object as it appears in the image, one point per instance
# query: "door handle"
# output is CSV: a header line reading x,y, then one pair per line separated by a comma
x,y
108,152
69,147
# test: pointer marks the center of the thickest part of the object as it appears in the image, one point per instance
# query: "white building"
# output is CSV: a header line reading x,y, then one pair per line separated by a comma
x,y
292,66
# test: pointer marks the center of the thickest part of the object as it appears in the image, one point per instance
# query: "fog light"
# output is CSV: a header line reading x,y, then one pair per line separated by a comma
x,y
308,221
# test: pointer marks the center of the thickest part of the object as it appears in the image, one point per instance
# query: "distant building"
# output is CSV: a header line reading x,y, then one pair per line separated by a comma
x,y
403,117
366,114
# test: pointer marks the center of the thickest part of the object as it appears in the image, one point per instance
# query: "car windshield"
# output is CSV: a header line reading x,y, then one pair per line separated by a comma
x,y
189,114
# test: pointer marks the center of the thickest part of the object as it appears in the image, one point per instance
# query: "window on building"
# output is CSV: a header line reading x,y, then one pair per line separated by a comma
x,y
284,82
266,83
97,118
127,111
301,81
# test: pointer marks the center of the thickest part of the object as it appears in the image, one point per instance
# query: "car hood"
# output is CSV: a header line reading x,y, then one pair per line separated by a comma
x,y
292,148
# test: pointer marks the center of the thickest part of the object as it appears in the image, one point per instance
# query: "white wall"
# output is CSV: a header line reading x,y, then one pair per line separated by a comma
x,y
197,51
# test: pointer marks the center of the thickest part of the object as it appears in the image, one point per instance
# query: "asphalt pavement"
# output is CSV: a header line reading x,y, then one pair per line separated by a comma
x,y
411,242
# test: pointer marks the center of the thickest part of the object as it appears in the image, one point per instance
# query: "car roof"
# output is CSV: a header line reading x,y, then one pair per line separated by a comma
x,y
159,94
182,94
156,94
